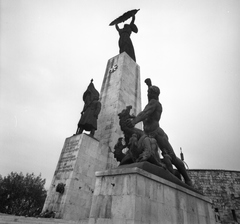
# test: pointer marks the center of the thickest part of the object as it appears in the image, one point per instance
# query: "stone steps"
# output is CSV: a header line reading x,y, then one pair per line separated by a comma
x,y
11,219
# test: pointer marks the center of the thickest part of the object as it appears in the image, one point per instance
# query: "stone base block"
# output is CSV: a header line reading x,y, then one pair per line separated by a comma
x,y
12,219
80,158
134,196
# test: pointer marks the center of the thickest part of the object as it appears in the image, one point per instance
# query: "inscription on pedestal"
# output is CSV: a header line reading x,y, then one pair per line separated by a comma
x,y
68,157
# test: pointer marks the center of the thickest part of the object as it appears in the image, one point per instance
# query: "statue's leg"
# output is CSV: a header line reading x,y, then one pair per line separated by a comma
x,y
92,132
168,164
79,130
126,160
177,174
181,168
163,142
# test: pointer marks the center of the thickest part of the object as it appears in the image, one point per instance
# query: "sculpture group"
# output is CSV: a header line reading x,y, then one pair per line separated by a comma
x,y
143,145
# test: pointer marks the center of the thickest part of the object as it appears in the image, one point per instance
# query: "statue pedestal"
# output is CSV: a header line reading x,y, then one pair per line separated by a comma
x,y
82,155
120,88
132,195
80,158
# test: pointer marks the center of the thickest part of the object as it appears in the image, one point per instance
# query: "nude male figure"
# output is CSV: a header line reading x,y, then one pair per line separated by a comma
x,y
150,117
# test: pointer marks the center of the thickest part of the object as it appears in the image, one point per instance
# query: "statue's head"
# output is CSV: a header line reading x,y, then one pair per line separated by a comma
x,y
153,92
125,112
129,107
91,93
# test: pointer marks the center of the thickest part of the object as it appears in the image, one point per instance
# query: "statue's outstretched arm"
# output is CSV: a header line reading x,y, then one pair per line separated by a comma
x,y
133,26
117,27
148,110
133,20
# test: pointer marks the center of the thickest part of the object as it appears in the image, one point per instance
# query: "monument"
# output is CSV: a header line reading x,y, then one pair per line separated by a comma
x,y
96,182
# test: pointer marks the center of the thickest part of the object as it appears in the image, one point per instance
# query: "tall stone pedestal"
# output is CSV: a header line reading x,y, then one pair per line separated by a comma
x,y
134,196
81,156
120,88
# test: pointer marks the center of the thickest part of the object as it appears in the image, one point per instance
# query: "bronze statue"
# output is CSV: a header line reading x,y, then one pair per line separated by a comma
x,y
125,43
91,109
150,117
141,147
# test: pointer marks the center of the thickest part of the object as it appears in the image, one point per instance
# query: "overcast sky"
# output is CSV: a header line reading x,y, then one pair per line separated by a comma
x,y
51,49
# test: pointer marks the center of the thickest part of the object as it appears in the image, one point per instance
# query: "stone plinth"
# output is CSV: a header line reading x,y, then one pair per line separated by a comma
x,y
134,196
12,219
82,155
80,158
120,88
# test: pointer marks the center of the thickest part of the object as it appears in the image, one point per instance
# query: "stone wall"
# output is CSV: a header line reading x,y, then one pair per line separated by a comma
x,y
223,187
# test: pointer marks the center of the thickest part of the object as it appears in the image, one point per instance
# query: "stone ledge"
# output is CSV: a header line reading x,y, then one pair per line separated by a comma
x,y
156,173
11,219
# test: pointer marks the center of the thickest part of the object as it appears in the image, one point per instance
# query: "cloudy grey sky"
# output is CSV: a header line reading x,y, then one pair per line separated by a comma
x,y
51,49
